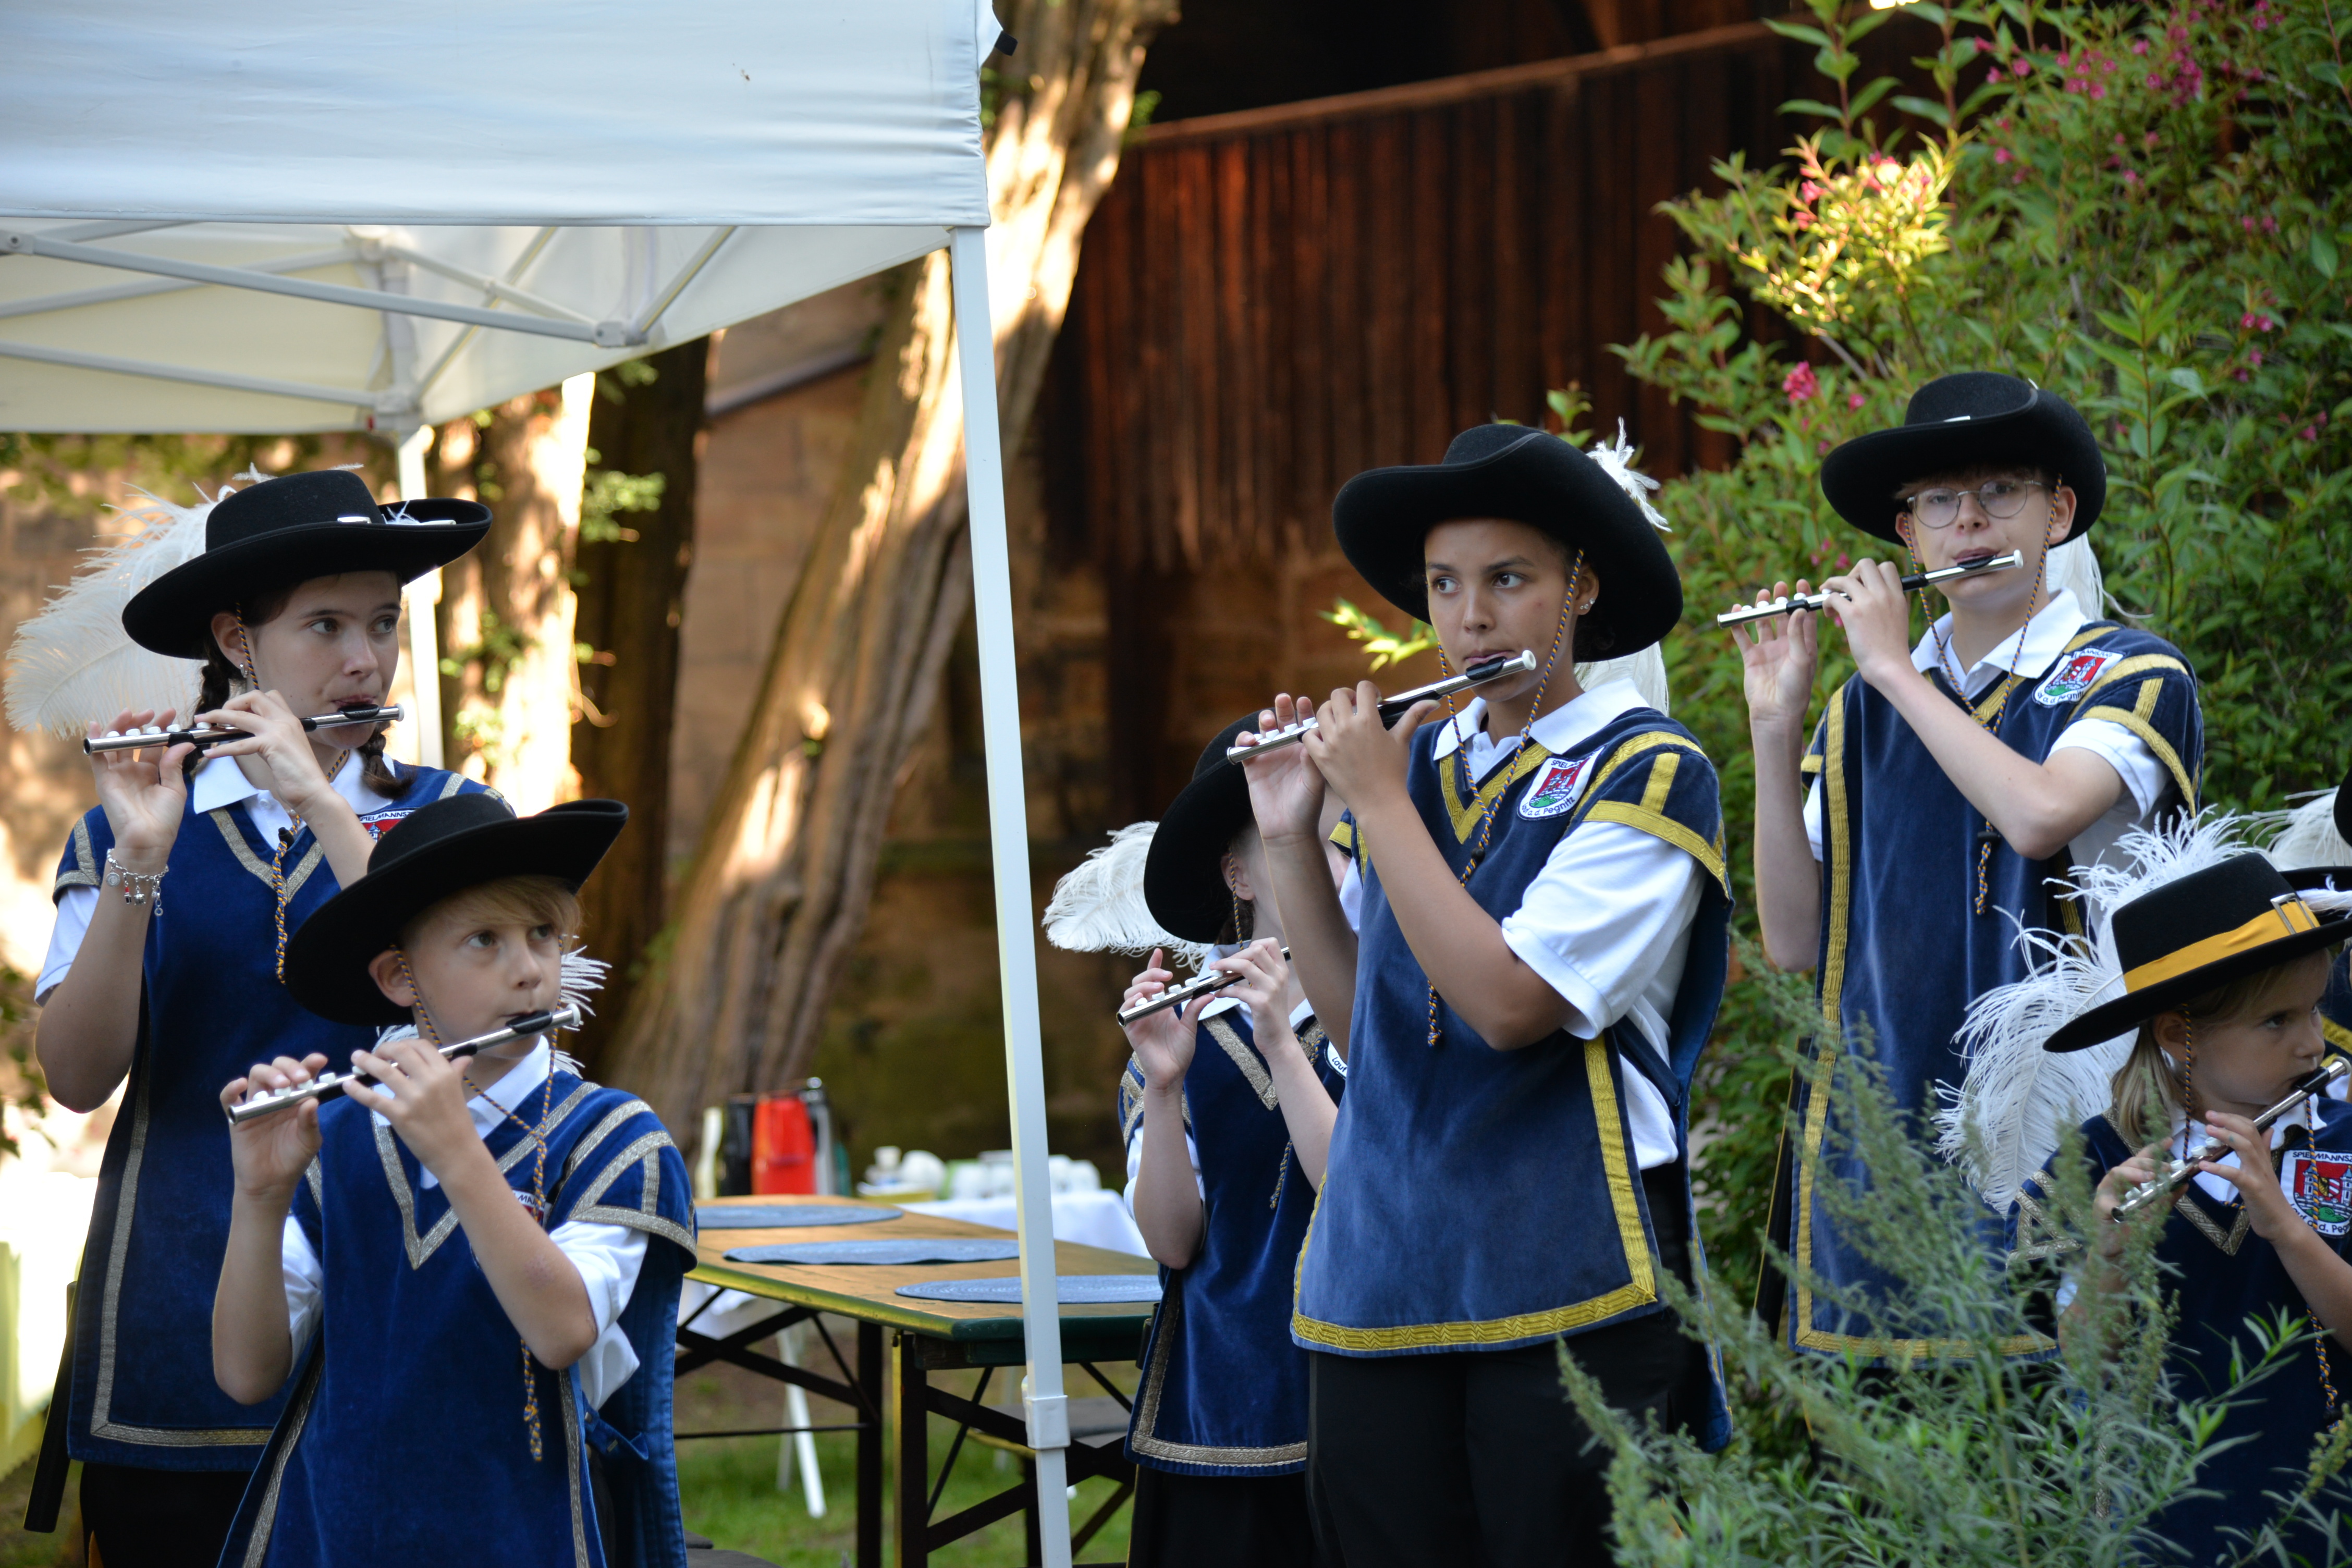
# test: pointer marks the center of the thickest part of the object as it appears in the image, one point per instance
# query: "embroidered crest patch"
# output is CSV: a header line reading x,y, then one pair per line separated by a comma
x,y
1556,788
2076,673
2319,1184
379,823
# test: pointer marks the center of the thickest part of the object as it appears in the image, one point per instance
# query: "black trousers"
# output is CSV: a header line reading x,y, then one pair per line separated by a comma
x,y
158,1519
1219,1521
1476,1456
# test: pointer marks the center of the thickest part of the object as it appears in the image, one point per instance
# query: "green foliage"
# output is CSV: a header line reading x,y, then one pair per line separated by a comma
x,y
608,494
1385,646
2146,210
70,475
1983,1460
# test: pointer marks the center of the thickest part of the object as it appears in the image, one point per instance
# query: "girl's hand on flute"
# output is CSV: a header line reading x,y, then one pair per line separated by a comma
x,y
142,792
1163,1041
1876,615
274,732
1356,753
2267,1205
2117,1184
1780,657
1264,987
1285,789
270,1153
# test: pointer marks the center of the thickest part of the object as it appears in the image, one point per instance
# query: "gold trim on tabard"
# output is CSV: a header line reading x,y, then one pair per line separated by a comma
x,y
2289,918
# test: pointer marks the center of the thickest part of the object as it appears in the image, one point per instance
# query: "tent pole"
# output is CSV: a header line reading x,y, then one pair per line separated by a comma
x,y
419,598
1016,939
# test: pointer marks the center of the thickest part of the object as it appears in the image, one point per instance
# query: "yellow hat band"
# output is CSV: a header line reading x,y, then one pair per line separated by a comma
x,y
2284,919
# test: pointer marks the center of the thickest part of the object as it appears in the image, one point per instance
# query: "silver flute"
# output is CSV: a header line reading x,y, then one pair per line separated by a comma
x,y
203,735
1740,615
2315,1081
1394,708
327,1085
1176,997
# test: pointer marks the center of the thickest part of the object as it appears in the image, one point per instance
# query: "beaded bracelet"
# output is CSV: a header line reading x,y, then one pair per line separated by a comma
x,y
138,887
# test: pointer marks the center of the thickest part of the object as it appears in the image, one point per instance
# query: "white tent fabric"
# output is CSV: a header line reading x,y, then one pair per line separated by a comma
x,y
242,215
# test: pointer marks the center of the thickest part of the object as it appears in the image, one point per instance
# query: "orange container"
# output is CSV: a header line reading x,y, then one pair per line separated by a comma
x,y
783,1146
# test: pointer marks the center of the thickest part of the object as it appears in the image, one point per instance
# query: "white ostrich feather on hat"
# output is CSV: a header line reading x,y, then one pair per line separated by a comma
x,y
2006,1120
1617,460
2307,835
1099,906
73,662
1646,669
582,977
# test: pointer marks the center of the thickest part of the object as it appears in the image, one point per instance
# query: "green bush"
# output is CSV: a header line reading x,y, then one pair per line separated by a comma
x,y
2145,209
1984,1462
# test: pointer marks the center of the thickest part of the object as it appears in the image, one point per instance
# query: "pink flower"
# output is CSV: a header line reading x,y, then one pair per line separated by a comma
x,y
2000,154
1800,384
1854,400
2153,81
2139,46
2249,224
2255,358
2131,176
2310,432
1845,560
2019,66
2269,225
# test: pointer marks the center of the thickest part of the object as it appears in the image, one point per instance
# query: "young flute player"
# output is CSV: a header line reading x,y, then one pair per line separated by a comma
x,y
1539,948
1944,785
473,1269
1227,1107
2203,991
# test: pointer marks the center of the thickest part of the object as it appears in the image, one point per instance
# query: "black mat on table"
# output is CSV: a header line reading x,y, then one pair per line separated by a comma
x,y
783,1216
943,1249
1073,1289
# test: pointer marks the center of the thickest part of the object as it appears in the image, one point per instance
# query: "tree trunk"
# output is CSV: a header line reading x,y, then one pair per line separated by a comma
x,y
781,884
636,545
506,614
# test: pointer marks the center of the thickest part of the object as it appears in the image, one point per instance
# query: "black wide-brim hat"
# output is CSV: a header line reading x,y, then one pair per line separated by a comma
x,y
1970,419
285,532
433,852
1382,518
1184,882
2202,931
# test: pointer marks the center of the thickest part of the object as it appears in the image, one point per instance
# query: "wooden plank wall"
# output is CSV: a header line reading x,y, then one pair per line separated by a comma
x,y
1273,301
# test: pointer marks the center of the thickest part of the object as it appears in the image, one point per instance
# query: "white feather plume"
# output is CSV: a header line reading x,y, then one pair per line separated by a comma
x,y
2006,1120
1099,906
1646,669
1617,460
2307,835
73,662
2073,565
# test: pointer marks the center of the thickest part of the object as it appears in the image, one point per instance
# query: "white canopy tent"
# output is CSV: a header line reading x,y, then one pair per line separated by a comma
x,y
242,216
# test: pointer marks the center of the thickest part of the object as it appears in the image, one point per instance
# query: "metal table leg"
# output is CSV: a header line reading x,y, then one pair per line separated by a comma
x,y
912,1398
870,1448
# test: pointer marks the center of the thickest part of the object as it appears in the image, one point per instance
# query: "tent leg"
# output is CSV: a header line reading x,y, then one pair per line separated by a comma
x,y
424,633
1008,829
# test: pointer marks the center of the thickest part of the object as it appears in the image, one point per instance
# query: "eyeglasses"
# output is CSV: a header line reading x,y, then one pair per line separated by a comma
x,y
2000,498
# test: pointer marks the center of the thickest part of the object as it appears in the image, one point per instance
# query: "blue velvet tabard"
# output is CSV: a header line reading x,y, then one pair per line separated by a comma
x,y
1903,953
142,1379
415,1370
1479,1199
2223,1274
1225,1390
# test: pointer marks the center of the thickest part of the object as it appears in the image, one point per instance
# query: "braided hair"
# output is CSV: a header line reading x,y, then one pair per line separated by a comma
x,y
224,677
